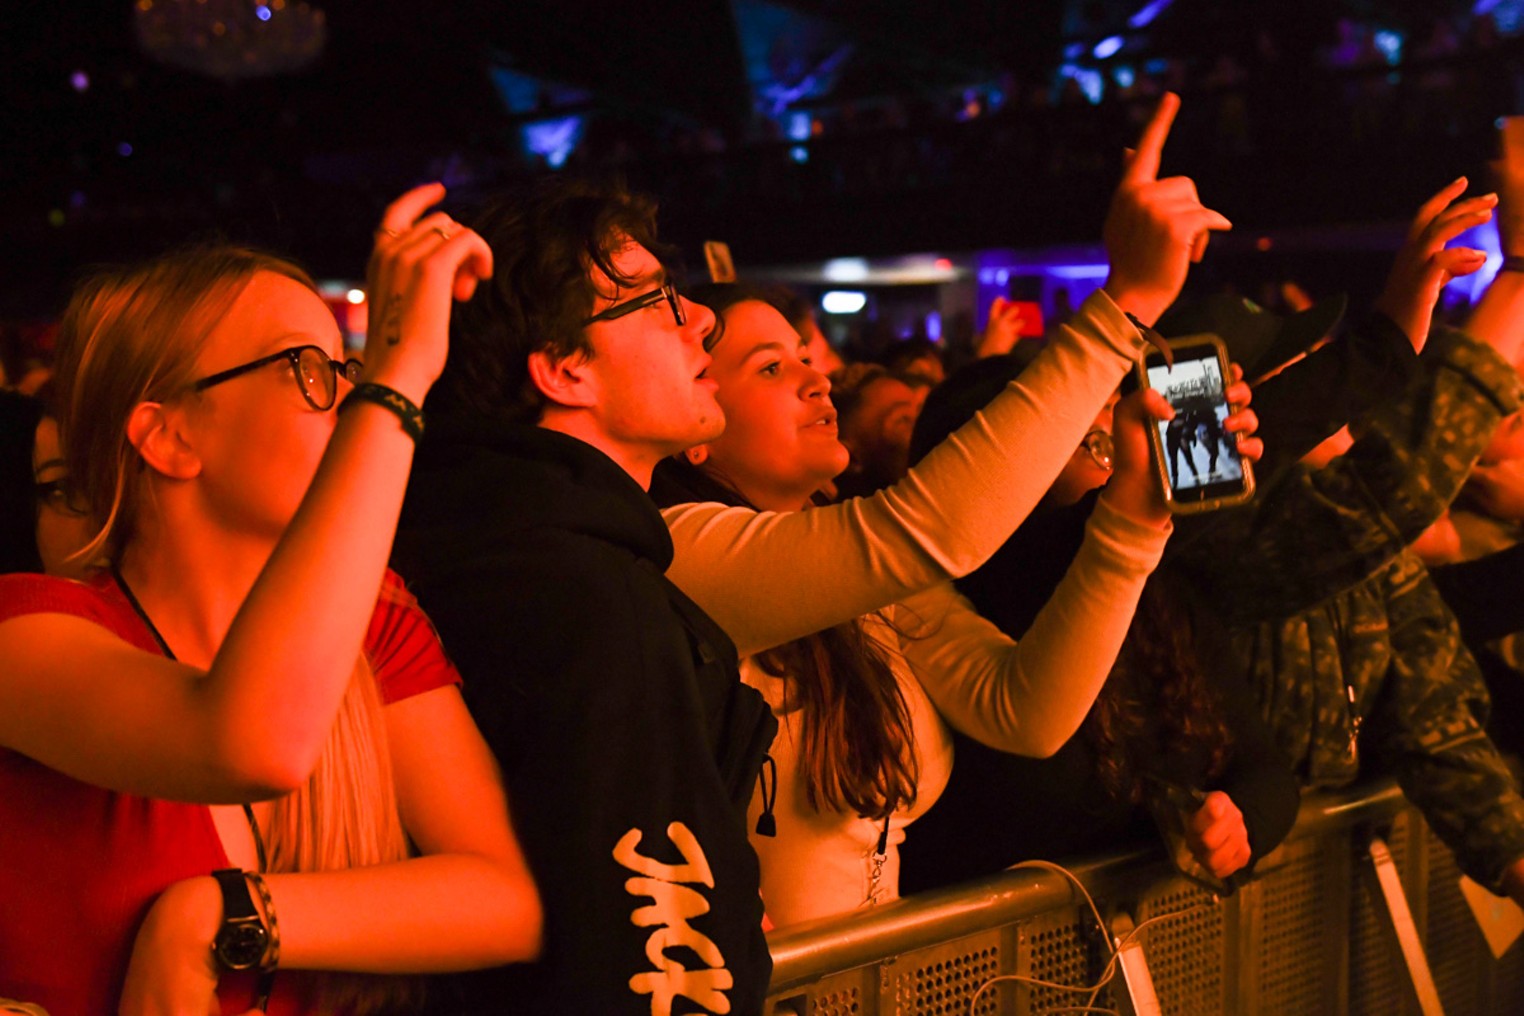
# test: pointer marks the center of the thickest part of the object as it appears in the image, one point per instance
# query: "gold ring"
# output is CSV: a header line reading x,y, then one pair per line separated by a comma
x,y
444,234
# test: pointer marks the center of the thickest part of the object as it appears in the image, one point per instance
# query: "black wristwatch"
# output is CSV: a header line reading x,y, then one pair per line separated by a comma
x,y
241,941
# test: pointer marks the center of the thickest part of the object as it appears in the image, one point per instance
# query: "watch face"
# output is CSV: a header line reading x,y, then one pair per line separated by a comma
x,y
239,945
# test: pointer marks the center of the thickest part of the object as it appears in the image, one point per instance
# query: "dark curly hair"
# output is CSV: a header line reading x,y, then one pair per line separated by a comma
x,y
1157,701
545,241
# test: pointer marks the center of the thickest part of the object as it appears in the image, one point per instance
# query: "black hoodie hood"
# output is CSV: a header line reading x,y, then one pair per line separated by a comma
x,y
478,482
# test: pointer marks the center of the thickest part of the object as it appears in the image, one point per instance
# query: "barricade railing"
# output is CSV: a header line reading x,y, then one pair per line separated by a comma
x,y
1310,935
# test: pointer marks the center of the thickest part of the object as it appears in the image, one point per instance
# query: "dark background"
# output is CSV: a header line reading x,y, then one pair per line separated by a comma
x,y
693,101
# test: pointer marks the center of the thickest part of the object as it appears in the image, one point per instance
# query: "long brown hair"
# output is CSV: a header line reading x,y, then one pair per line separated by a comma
x,y
131,336
857,746
1156,702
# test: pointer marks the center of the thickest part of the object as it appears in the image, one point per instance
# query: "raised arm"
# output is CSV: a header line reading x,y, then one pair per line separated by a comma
x,y
1424,265
78,699
1028,697
962,501
1375,361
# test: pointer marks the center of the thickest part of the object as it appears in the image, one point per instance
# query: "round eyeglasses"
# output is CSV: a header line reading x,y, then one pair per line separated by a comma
x,y
316,373
1102,451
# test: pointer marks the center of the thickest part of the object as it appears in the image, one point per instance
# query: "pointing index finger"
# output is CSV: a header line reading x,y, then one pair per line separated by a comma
x,y
1144,165
406,210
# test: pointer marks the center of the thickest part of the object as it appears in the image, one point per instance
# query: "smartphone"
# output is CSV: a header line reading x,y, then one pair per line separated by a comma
x,y
1196,458
1172,804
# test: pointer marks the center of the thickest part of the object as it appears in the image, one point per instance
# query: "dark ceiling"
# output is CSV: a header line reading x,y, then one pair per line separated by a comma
x,y
148,155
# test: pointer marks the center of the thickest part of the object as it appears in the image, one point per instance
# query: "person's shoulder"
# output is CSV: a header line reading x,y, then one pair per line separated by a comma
x,y
543,590
403,646
22,594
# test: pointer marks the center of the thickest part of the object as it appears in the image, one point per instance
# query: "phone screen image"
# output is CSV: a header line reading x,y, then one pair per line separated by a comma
x,y
1200,455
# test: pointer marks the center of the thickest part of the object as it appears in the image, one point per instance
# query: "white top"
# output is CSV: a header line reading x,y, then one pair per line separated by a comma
x,y
771,577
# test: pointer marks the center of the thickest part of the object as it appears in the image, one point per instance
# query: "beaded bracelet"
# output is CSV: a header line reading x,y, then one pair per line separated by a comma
x,y
389,399
272,951
265,985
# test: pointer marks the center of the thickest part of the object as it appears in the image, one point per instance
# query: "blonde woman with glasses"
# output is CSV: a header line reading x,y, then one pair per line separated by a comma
x,y
246,690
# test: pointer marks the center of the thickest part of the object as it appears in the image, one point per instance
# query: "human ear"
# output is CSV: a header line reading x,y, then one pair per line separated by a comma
x,y
564,380
155,432
697,455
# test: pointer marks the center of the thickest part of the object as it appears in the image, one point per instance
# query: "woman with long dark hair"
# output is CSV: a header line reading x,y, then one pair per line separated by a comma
x,y
864,703
864,710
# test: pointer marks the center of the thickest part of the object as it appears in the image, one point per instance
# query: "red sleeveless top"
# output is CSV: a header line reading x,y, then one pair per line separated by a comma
x,y
80,866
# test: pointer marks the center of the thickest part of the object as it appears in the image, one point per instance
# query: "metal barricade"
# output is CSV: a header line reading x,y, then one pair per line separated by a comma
x,y
1310,935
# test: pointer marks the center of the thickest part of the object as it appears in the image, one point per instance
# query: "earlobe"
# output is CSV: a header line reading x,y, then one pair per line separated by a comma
x,y
564,380
152,431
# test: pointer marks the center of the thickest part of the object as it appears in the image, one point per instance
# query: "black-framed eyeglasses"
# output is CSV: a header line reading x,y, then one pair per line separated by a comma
x,y
317,373
1101,448
667,292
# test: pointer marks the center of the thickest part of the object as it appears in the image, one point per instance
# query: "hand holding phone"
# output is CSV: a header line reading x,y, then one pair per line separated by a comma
x,y
1218,836
1197,456
1133,489
1175,809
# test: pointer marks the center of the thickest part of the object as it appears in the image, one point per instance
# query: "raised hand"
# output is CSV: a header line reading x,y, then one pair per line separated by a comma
x,y
1217,835
1242,420
1424,264
420,262
1003,330
1155,228
1134,487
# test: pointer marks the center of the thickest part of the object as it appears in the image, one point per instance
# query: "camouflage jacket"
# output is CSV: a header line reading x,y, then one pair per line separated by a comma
x,y
1310,534
1353,654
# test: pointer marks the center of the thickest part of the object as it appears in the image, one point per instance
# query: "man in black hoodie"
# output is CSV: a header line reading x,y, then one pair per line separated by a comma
x,y
629,745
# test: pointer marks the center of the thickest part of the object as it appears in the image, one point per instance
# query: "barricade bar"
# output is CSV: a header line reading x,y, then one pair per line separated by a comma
x,y
806,951
1309,935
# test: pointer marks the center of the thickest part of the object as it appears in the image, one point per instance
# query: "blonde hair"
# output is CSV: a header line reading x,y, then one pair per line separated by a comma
x,y
131,336
345,816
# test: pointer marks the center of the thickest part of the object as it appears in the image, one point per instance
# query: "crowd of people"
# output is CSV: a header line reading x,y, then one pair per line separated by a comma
x,y
546,655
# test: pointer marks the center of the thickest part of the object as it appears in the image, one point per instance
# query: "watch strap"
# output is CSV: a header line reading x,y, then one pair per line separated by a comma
x,y
237,900
241,925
